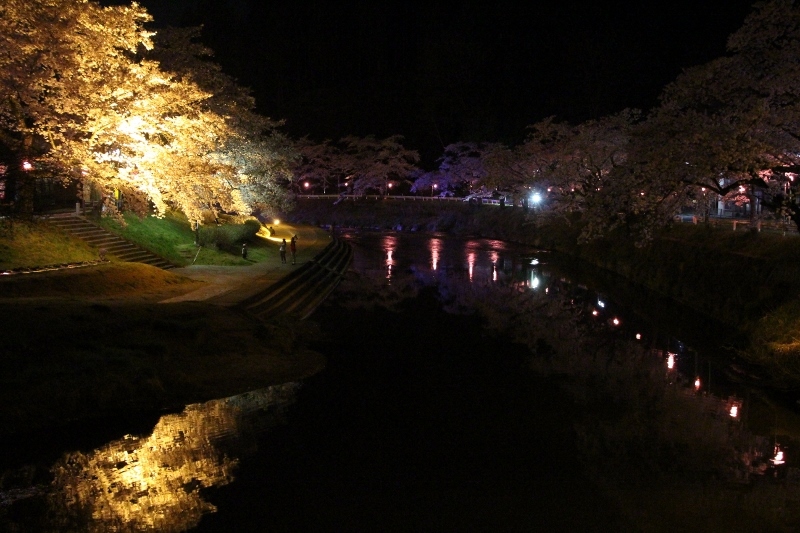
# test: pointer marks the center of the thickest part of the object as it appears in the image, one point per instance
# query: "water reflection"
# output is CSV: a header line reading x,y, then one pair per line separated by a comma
x,y
435,247
389,245
153,483
471,264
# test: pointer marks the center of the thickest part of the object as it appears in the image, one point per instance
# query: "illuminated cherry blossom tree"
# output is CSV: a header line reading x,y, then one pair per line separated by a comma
x,y
79,80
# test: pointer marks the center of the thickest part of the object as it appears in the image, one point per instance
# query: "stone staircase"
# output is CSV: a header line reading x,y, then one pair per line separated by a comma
x,y
303,290
102,239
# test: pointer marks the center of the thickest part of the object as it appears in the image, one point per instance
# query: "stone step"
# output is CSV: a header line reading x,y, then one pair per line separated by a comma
x,y
300,293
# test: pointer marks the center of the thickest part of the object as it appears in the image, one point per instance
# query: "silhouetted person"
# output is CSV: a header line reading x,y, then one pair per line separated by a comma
x,y
282,250
244,251
293,248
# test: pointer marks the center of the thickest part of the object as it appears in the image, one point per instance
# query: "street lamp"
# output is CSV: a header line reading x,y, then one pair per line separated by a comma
x,y
433,188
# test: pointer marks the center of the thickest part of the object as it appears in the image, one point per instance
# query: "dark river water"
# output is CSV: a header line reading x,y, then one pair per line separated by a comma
x,y
423,419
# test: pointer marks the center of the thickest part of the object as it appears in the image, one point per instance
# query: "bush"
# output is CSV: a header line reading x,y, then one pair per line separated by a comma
x,y
228,236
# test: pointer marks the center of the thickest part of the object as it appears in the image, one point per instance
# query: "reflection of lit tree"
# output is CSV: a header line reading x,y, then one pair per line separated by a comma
x,y
154,482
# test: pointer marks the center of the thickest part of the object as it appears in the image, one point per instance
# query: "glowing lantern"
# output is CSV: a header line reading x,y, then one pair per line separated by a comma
x,y
778,459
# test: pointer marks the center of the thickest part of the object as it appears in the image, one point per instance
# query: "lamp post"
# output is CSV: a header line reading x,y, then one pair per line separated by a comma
x,y
433,188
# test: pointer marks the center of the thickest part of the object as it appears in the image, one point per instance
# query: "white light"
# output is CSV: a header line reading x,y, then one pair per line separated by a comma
x,y
26,165
615,321
778,459
535,262
638,336
601,303
536,198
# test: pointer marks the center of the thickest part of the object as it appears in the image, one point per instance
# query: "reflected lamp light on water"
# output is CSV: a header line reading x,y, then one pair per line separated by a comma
x,y
779,458
638,336
697,384
670,361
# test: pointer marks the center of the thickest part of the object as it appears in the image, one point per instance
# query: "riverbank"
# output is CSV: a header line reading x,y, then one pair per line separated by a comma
x,y
746,281
101,341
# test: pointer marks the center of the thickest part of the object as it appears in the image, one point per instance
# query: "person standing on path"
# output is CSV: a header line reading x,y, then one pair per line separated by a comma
x,y
293,248
244,251
282,250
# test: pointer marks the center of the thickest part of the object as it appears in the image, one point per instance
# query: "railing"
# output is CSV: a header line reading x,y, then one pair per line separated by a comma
x,y
356,197
736,223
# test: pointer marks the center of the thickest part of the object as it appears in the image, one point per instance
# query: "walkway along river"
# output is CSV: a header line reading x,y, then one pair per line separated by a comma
x,y
426,419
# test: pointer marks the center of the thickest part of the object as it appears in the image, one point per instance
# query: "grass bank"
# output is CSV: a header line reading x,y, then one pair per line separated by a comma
x,y
172,238
32,244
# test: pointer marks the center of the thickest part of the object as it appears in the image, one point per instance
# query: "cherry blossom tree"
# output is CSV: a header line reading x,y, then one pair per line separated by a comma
x,y
321,165
374,162
460,169
732,126
86,100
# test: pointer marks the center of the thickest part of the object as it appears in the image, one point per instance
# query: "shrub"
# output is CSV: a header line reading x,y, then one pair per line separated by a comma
x,y
228,236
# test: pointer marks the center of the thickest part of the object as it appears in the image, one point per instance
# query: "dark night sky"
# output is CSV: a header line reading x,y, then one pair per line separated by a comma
x,y
475,70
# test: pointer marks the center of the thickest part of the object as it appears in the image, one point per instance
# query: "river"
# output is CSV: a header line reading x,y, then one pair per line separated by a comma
x,y
424,419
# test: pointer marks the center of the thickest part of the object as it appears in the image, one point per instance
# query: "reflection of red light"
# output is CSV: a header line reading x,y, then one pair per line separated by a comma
x,y
697,384
594,312
615,321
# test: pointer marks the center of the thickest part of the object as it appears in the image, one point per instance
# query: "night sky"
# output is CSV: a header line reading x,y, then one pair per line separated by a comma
x,y
474,71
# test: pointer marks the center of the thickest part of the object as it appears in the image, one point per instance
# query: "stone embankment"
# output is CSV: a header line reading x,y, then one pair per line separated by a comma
x,y
303,290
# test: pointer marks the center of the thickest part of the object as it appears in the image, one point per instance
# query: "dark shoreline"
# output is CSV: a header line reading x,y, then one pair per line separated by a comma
x,y
114,359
